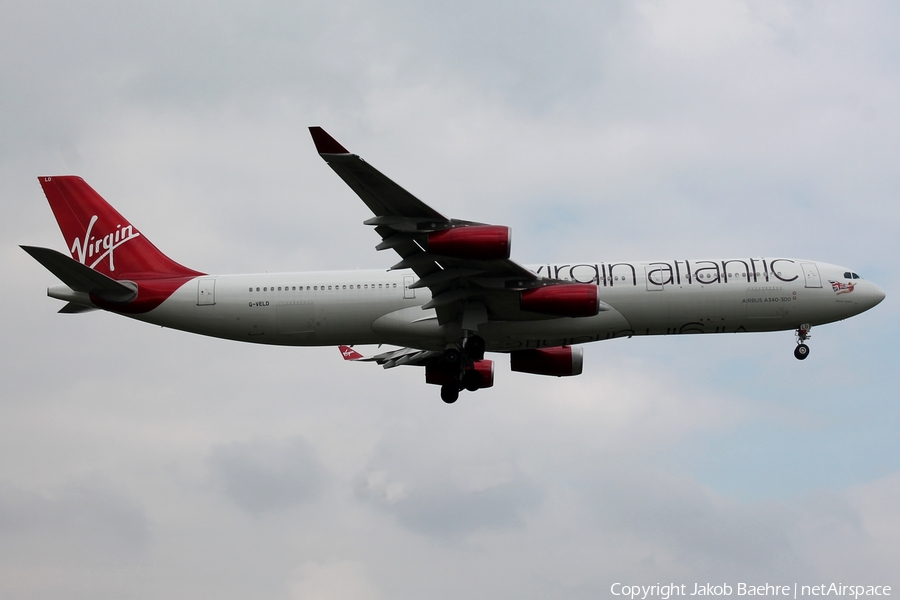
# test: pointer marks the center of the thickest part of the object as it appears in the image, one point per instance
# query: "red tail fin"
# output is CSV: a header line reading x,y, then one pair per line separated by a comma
x,y
99,237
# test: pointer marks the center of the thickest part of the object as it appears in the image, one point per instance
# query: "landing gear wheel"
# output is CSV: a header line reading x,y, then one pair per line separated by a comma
x,y
475,347
472,380
801,351
449,393
452,356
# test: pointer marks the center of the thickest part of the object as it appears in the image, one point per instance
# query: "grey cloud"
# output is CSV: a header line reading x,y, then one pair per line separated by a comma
x,y
696,524
83,522
531,55
445,510
265,475
454,487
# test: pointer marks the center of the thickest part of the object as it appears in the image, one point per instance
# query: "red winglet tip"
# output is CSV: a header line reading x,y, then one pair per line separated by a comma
x,y
325,144
349,353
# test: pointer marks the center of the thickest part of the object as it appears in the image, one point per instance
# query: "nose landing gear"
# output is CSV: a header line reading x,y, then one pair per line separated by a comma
x,y
802,350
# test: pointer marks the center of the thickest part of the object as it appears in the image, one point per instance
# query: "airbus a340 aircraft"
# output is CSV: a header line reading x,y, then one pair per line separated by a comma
x,y
453,295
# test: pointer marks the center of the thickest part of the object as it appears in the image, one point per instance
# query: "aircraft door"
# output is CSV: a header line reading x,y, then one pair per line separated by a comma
x,y
656,277
811,275
407,291
206,292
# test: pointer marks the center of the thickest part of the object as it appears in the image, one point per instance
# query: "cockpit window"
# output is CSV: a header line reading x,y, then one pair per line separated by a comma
x,y
849,275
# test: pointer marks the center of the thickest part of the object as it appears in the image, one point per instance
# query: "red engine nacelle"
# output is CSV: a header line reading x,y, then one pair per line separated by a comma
x,y
436,374
485,242
563,300
563,361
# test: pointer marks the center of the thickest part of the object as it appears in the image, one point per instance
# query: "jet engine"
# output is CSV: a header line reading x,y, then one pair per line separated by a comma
x,y
562,361
563,300
484,242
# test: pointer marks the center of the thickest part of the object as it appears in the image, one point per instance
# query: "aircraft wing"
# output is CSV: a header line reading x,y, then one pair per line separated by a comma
x,y
408,226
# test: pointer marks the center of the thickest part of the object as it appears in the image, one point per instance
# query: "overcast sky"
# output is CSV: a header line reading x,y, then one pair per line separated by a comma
x,y
138,462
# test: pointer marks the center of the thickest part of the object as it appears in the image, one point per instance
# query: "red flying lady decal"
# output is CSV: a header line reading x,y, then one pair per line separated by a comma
x,y
841,288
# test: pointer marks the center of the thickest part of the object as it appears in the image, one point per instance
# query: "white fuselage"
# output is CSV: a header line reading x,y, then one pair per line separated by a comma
x,y
647,298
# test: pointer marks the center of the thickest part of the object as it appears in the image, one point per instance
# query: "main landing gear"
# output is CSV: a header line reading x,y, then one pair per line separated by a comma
x,y
450,392
802,350
458,363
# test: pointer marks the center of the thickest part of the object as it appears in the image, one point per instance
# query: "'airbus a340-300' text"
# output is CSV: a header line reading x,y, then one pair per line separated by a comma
x,y
453,295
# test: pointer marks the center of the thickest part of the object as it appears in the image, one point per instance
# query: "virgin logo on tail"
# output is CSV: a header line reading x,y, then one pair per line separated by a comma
x,y
349,353
96,249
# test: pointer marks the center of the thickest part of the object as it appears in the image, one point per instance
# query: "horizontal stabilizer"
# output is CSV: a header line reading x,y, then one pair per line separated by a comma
x,y
82,278
74,308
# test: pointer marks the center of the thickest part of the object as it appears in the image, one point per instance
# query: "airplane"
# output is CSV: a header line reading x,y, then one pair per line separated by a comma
x,y
454,295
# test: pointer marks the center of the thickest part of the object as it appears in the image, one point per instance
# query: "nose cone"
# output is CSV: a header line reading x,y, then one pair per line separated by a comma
x,y
873,296
877,294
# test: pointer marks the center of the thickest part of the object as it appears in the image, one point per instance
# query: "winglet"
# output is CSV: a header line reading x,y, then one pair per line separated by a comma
x,y
325,144
349,353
